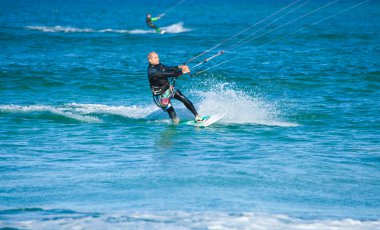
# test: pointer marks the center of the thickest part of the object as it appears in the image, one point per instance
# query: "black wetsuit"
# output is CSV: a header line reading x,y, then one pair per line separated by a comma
x,y
158,76
149,22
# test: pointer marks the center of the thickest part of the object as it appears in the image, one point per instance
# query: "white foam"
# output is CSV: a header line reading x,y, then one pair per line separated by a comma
x,y
175,28
134,111
187,220
55,29
241,107
50,109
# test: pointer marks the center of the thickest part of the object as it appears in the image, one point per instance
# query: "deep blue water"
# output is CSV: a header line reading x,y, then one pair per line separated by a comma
x,y
298,148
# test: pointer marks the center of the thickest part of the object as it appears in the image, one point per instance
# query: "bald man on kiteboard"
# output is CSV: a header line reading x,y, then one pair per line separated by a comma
x,y
163,91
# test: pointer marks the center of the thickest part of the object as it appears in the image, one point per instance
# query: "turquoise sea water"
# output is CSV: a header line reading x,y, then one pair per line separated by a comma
x,y
299,147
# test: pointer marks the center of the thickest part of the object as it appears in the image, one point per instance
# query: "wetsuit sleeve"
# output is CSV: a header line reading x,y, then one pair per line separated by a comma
x,y
172,68
169,71
154,19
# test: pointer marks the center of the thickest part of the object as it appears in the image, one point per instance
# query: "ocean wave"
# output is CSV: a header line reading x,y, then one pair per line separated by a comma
x,y
83,112
172,29
240,108
49,109
62,219
135,112
218,98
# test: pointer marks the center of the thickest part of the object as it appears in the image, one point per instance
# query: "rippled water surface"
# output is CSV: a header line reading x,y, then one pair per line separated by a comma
x,y
83,146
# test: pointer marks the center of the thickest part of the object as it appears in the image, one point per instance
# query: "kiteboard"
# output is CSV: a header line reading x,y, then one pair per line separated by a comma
x,y
207,120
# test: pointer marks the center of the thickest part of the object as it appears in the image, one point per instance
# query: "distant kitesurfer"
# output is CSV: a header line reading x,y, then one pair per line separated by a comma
x,y
163,91
149,22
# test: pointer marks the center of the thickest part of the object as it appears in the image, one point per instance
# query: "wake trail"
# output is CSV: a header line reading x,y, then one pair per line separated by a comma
x,y
171,29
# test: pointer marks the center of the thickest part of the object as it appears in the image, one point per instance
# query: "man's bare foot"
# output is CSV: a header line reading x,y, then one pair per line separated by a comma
x,y
198,118
175,121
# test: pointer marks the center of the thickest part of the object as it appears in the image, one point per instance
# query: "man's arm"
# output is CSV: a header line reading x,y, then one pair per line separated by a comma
x,y
168,71
171,68
171,71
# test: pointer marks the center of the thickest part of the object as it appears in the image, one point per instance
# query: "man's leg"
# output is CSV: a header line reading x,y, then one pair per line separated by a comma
x,y
172,115
179,96
158,30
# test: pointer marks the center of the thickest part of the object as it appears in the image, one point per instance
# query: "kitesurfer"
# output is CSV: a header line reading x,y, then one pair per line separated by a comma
x,y
149,22
163,91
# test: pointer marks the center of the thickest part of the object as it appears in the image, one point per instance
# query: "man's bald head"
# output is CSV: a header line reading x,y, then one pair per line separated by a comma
x,y
153,58
151,54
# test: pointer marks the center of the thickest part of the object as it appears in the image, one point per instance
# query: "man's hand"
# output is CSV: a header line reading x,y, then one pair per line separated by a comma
x,y
185,69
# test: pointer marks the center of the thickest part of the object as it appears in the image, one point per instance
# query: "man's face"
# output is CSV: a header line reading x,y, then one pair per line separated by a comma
x,y
154,59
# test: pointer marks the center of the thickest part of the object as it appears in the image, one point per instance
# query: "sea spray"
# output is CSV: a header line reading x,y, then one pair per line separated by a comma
x,y
241,107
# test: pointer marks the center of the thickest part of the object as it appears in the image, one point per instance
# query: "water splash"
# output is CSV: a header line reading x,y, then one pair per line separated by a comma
x,y
176,28
241,107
